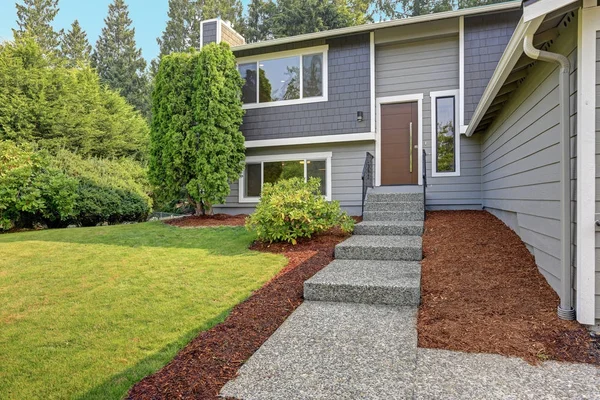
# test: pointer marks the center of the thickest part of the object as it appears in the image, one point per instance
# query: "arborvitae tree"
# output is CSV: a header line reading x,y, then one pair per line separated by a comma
x,y
34,17
74,47
196,146
118,60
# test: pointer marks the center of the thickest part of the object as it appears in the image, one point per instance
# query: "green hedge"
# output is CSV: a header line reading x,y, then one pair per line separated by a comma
x,y
68,189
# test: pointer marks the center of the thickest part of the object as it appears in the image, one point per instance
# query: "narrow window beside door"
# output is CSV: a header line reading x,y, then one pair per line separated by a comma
x,y
445,138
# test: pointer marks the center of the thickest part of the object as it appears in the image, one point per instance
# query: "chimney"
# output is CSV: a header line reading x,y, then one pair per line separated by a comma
x,y
218,30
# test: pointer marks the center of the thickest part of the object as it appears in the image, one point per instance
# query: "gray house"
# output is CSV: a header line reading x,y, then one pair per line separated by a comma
x,y
493,107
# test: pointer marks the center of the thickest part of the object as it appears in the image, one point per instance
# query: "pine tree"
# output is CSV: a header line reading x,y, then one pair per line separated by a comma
x,y
118,61
74,47
183,30
34,17
257,24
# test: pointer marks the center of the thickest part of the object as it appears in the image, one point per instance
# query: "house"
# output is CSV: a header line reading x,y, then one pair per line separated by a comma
x,y
499,101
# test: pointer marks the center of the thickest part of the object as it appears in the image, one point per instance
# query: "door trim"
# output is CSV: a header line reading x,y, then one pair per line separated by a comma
x,y
409,98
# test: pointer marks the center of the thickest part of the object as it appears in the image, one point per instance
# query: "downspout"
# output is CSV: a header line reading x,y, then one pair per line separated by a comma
x,y
565,308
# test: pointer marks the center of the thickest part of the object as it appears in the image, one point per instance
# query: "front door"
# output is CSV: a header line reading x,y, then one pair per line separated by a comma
x,y
399,144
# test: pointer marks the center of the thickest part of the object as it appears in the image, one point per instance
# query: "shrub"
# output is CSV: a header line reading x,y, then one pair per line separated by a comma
x,y
291,209
31,190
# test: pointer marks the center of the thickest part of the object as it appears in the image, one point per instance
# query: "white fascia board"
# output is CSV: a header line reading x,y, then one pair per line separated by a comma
x,y
543,7
589,24
507,6
350,137
509,58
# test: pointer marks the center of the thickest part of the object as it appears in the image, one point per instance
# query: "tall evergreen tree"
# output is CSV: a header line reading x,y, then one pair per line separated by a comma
x,y
34,17
257,24
118,60
74,46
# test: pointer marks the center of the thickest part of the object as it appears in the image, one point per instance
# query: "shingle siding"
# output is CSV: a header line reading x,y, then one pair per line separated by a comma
x,y
349,92
520,160
422,67
486,37
209,32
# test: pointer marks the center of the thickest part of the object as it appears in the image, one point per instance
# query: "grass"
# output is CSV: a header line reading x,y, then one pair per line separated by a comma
x,y
86,313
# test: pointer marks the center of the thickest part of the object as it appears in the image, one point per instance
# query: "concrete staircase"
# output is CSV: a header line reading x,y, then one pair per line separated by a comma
x,y
379,264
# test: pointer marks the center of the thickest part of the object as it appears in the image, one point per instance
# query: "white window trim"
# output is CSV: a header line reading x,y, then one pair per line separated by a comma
x,y
290,53
461,76
409,98
589,24
326,156
434,96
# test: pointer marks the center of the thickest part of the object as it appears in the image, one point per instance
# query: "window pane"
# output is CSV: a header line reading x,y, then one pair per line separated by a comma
x,y
248,73
445,134
318,169
252,181
312,75
279,79
275,171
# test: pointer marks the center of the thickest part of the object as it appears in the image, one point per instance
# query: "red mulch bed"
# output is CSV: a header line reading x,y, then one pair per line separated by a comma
x,y
210,360
208,220
482,292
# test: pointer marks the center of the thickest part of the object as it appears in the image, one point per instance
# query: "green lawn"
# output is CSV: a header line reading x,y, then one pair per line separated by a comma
x,y
87,312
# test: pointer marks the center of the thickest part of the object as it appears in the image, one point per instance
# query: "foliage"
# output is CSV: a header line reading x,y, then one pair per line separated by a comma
x,y
89,312
43,102
445,147
292,209
196,141
34,18
108,190
74,46
392,9
30,189
118,60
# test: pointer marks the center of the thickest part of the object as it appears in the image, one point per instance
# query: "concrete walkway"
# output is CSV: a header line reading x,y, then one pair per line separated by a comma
x,y
355,335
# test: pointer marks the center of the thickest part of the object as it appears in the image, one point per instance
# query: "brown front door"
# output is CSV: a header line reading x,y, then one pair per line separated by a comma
x,y
399,152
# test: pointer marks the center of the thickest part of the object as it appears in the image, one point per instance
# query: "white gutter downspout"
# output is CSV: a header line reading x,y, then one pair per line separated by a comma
x,y
565,308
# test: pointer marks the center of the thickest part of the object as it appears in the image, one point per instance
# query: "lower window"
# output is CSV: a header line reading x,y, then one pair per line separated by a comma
x,y
445,138
271,169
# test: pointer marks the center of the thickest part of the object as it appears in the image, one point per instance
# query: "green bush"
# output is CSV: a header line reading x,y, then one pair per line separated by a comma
x,y
31,190
292,209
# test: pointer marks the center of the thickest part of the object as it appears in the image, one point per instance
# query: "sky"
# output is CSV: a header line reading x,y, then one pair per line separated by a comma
x,y
149,19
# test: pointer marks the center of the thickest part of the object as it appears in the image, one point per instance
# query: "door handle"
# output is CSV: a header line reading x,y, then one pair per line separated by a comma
x,y
410,148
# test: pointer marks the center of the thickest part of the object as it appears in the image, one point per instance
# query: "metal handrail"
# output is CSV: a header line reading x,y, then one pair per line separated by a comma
x,y
424,184
367,179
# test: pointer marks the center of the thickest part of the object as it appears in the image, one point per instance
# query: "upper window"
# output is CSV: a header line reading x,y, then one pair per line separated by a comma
x,y
270,169
288,78
446,139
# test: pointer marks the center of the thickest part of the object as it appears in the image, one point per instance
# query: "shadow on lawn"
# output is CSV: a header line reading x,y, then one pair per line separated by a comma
x,y
118,385
226,241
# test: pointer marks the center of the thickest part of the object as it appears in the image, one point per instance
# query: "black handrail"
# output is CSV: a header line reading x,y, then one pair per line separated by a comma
x,y
424,184
367,179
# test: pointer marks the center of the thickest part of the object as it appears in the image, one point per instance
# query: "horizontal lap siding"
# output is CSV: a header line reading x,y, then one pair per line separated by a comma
x,y
347,163
597,173
422,67
520,161
486,37
349,91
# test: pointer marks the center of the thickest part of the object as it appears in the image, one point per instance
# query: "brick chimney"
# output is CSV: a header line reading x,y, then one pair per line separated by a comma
x,y
218,30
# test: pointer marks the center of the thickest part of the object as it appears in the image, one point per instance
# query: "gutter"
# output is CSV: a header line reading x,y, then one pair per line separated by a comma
x,y
565,308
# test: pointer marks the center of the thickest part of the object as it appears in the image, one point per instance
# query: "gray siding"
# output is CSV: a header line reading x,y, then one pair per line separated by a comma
x,y
349,92
346,169
486,37
597,173
209,33
422,67
520,158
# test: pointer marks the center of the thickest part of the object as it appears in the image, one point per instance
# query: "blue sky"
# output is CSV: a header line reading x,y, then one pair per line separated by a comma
x,y
149,19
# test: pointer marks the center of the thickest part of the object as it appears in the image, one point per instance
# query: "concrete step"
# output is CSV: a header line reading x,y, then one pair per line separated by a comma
x,y
394,206
393,216
394,197
375,247
368,282
387,228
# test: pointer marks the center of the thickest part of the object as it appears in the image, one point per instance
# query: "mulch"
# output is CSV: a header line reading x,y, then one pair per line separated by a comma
x,y
194,221
211,359
482,292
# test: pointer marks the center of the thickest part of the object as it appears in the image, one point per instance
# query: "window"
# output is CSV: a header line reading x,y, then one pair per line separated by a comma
x,y
445,138
297,76
271,169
